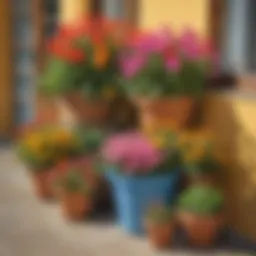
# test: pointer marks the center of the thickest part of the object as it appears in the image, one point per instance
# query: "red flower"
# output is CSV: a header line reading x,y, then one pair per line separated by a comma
x,y
64,48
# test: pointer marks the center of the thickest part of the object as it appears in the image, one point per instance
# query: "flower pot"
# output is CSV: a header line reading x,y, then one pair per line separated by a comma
x,y
43,185
75,206
165,112
94,112
134,194
201,231
160,234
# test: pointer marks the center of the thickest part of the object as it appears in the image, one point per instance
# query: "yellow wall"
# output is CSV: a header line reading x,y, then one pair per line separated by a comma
x,y
232,119
178,13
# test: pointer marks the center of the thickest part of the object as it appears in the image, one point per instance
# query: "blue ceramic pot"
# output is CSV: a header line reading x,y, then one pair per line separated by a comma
x,y
134,194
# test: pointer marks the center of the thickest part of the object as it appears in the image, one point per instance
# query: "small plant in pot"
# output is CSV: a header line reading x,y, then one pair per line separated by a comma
x,y
83,67
75,195
160,226
38,155
82,154
164,74
40,150
139,173
200,213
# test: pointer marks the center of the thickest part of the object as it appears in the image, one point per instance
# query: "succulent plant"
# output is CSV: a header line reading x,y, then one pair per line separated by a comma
x,y
74,181
201,200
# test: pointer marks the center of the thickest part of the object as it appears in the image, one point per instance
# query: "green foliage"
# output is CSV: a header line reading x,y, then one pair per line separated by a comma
x,y
154,81
74,181
204,166
88,140
159,214
35,162
201,200
60,77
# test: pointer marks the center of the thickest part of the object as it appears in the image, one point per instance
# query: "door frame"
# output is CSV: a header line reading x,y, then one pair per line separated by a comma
x,y
6,71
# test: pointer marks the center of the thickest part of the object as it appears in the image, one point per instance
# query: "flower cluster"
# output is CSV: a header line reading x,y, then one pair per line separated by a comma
x,y
162,63
83,56
135,153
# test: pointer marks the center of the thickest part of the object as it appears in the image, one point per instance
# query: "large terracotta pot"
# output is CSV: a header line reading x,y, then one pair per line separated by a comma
x,y
201,231
90,112
75,206
42,184
160,235
166,111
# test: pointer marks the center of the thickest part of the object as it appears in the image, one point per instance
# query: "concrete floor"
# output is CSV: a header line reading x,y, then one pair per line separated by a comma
x,y
29,227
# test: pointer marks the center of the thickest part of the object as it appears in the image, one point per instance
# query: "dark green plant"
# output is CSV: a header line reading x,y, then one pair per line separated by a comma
x,y
207,165
201,200
88,140
74,181
159,214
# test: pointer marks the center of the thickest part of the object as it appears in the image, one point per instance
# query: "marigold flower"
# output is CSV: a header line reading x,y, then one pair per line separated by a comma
x,y
101,56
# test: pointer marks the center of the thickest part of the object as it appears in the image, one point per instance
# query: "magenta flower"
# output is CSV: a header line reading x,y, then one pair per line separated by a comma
x,y
133,152
173,64
190,45
131,65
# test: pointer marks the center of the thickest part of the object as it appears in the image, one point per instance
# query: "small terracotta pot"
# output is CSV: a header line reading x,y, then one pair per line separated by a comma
x,y
75,206
201,231
42,184
91,112
176,111
160,235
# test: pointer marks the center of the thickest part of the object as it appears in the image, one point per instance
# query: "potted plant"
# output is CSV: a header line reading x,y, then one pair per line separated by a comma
x,y
83,68
160,226
75,195
200,212
82,155
139,173
165,74
40,150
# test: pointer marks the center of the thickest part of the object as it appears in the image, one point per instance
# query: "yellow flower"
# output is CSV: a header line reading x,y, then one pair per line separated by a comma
x,y
101,56
158,141
34,143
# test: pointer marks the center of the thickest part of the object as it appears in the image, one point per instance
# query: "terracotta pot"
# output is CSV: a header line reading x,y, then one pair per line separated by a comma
x,y
201,231
75,206
42,184
167,111
91,112
160,235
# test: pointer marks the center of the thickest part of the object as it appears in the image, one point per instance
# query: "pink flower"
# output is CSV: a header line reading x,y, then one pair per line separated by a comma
x,y
130,66
190,45
173,64
133,152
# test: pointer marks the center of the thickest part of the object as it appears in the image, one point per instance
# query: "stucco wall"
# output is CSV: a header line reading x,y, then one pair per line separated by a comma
x,y
178,13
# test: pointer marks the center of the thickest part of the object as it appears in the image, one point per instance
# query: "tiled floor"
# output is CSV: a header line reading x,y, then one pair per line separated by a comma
x,y
29,227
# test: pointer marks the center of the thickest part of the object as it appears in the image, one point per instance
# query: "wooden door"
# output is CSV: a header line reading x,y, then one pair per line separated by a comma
x,y
6,89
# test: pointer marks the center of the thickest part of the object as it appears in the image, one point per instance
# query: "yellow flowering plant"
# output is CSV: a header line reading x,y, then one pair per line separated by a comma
x,y
198,153
43,148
